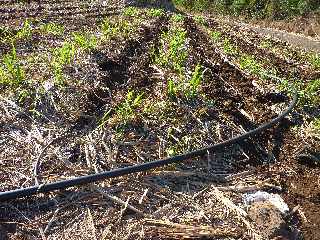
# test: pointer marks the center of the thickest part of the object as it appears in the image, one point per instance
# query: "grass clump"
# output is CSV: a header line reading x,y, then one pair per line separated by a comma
x,y
126,109
52,29
111,29
153,12
173,52
11,71
85,41
314,60
200,20
25,32
228,48
177,18
62,56
131,11
215,35
250,64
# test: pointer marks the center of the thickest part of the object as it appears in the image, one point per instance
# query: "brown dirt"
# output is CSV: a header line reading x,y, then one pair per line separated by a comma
x,y
300,181
302,184
267,217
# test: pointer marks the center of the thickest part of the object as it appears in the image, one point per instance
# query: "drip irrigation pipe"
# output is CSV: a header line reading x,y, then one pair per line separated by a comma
x,y
44,188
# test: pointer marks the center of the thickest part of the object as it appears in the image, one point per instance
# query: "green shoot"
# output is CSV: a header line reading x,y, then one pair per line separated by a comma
x,y
23,95
52,28
250,64
104,118
195,82
62,56
58,73
215,35
11,73
172,151
266,44
311,92
155,12
85,41
177,18
200,20
126,109
25,31
228,48
130,11
6,35
172,89
314,60
114,29
316,124
107,28
173,52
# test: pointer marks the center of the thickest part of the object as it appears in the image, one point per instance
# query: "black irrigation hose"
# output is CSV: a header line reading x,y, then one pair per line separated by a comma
x,y
43,188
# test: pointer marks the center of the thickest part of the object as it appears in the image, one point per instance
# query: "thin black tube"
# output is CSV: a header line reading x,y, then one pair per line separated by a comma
x,y
24,192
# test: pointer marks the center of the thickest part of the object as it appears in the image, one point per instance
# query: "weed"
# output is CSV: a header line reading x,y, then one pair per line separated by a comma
x,y
130,11
177,18
314,60
195,82
173,52
26,30
215,35
6,34
250,64
228,48
311,92
200,20
172,89
52,28
85,41
61,57
64,54
126,109
11,73
155,12
111,29
316,124
266,44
